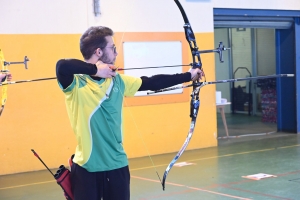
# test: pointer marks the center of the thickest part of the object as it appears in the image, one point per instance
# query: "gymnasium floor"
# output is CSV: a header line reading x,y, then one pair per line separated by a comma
x,y
213,174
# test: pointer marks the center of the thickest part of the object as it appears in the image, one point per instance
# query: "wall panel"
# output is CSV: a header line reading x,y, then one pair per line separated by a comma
x,y
35,115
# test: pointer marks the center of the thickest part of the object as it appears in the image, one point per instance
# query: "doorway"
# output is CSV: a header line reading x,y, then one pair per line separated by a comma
x,y
252,54
266,42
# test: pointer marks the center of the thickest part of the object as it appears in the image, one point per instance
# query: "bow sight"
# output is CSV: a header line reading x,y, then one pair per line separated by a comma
x,y
24,62
217,50
5,63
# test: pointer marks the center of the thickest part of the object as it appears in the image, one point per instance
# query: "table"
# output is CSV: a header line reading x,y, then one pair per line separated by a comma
x,y
221,107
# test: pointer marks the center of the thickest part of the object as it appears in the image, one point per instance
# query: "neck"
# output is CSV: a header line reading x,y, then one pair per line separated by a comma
x,y
92,60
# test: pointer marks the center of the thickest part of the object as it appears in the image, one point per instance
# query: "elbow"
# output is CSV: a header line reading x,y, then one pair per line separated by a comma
x,y
60,64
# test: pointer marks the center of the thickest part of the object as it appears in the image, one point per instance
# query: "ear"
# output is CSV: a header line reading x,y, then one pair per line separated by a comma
x,y
99,52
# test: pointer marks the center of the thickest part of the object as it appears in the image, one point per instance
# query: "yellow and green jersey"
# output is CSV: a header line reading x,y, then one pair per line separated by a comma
x,y
95,111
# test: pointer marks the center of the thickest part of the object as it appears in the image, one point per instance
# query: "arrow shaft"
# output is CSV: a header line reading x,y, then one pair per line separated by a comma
x,y
221,81
249,78
25,81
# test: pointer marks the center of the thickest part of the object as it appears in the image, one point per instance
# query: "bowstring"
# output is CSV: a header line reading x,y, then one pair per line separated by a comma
x,y
138,130
132,117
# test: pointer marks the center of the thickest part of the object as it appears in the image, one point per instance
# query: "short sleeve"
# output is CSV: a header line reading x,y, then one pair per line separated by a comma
x,y
132,84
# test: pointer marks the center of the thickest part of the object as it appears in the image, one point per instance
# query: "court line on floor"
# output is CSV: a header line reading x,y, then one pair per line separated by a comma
x,y
17,186
229,185
258,193
247,180
136,169
193,188
168,194
222,156
225,185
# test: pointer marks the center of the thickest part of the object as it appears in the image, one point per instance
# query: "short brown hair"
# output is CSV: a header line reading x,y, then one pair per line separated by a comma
x,y
92,39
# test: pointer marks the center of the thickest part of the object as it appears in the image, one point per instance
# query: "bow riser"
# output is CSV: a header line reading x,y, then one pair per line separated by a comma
x,y
190,37
195,104
4,69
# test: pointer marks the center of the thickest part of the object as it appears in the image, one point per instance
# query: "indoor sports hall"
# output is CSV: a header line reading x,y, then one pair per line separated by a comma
x,y
231,135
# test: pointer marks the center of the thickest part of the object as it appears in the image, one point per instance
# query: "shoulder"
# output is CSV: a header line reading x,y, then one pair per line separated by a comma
x,y
127,77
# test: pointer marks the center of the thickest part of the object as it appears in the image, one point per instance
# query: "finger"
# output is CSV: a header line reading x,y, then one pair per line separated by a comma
x,y
113,68
112,73
3,78
199,76
194,78
202,72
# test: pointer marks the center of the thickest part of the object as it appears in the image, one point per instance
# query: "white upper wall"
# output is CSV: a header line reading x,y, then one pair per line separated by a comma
x,y
42,16
153,15
75,16
258,4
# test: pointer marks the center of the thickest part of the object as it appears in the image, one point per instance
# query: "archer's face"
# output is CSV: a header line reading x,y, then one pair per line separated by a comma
x,y
109,52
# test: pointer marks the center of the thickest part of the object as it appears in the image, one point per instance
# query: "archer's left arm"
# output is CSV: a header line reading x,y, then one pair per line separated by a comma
x,y
161,81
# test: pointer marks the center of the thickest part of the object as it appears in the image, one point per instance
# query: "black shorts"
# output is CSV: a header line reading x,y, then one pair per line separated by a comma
x,y
107,185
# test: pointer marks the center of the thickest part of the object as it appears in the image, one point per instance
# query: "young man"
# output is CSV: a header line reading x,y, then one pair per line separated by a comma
x,y
94,95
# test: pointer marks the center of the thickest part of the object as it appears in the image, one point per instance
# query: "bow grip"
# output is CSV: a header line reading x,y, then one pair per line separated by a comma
x,y
220,51
221,56
3,79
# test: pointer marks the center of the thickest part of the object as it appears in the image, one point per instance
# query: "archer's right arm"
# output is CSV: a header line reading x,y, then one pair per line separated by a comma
x,y
66,68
